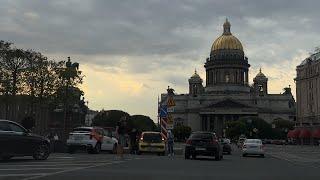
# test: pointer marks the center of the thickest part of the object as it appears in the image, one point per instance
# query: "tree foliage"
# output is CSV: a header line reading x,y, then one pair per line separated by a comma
x,y
30,73
253,127
110,118
181,132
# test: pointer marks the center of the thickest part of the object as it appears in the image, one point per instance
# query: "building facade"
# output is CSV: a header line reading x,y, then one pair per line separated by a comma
x,y
227,95
308,98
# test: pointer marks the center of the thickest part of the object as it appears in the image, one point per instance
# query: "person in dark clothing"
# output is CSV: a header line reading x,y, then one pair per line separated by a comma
x,y
133,141
121,132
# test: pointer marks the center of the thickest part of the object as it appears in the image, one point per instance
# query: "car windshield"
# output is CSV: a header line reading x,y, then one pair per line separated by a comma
x,y
201,136
253,141
152,137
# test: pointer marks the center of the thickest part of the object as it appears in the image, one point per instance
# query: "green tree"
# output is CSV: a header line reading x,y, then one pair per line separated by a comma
x,y
263,129
141,123
235,129
181,132
282,126
109,118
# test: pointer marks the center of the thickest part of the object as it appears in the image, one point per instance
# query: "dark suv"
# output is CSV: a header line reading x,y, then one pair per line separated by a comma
x,y
17,141
205,144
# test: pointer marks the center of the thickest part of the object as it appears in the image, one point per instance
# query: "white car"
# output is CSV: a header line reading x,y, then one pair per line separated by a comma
x,y
253,147
93,139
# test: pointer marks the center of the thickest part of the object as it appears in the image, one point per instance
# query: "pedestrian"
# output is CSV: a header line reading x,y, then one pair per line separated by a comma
x,y
170,142
121,132
133,141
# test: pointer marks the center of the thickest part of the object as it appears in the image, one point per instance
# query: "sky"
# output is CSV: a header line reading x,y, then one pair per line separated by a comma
x,y
130,51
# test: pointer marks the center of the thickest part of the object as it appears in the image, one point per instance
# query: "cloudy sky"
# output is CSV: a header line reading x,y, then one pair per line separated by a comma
x,y
130,51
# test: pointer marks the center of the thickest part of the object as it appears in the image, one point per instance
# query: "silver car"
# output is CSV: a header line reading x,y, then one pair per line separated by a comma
x,y
253,147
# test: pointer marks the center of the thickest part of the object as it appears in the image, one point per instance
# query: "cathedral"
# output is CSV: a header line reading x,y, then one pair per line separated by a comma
x,y
227,94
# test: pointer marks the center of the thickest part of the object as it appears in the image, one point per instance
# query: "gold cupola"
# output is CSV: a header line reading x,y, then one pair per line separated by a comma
x,y
226,41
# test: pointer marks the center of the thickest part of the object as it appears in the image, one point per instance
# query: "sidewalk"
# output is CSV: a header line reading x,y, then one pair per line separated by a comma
x,y
295,153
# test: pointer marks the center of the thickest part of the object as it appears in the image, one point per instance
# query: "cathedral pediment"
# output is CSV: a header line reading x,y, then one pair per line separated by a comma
x,y
228,103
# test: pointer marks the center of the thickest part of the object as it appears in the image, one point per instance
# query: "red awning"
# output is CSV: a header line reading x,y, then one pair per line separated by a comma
x,y
316,133
290,134
296,133
305,133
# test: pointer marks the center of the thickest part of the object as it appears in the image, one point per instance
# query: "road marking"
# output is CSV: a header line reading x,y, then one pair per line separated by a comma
x,y
65,171
29,169
49,165
19,175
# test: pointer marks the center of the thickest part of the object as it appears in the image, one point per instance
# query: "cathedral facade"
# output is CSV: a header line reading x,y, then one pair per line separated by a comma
x,y
227,95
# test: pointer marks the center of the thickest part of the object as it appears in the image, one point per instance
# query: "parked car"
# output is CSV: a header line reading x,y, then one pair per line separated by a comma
x,y
226,145
205,144
15,140
151,142
253,147
93,139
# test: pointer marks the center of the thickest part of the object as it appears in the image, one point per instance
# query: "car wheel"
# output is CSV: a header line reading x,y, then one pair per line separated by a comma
x,y
244,155
262,155
97,148
229,152
42,152
114,149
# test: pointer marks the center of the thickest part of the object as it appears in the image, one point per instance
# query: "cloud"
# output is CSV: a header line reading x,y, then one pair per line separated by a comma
x,y
131,51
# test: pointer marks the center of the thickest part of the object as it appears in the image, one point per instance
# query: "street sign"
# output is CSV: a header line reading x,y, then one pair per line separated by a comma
x,y
163,111
170,122
170,102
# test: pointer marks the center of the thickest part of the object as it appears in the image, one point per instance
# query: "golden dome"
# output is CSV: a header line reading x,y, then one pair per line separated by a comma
x,y
260,74
226,40
195,75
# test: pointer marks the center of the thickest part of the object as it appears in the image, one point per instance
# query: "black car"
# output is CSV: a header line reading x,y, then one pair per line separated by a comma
x,y
226,145
15,140
204,144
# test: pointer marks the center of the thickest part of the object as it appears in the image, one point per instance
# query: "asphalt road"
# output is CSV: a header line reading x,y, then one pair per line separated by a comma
x,y
83,166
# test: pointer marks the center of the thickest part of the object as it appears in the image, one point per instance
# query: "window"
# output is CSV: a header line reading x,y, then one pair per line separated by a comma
x,y
16,128
4,126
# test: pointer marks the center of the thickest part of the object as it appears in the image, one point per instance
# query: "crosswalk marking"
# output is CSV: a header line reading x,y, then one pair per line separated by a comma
x,y
27,169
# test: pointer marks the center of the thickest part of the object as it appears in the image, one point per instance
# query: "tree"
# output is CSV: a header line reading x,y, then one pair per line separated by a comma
x,y
141,123
282,126
109,118
263,129
181,132
235,129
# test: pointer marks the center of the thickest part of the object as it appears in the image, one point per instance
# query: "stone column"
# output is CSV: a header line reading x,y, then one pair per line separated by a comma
x,y
247,77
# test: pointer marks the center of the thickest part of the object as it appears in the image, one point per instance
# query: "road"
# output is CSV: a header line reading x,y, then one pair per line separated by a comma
x,y
83,166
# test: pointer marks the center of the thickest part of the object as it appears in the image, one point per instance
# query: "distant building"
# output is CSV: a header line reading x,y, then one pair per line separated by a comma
x,y
90,116
308,98
227,95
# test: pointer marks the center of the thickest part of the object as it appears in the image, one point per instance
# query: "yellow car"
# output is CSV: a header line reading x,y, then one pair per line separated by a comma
x,y
152,142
